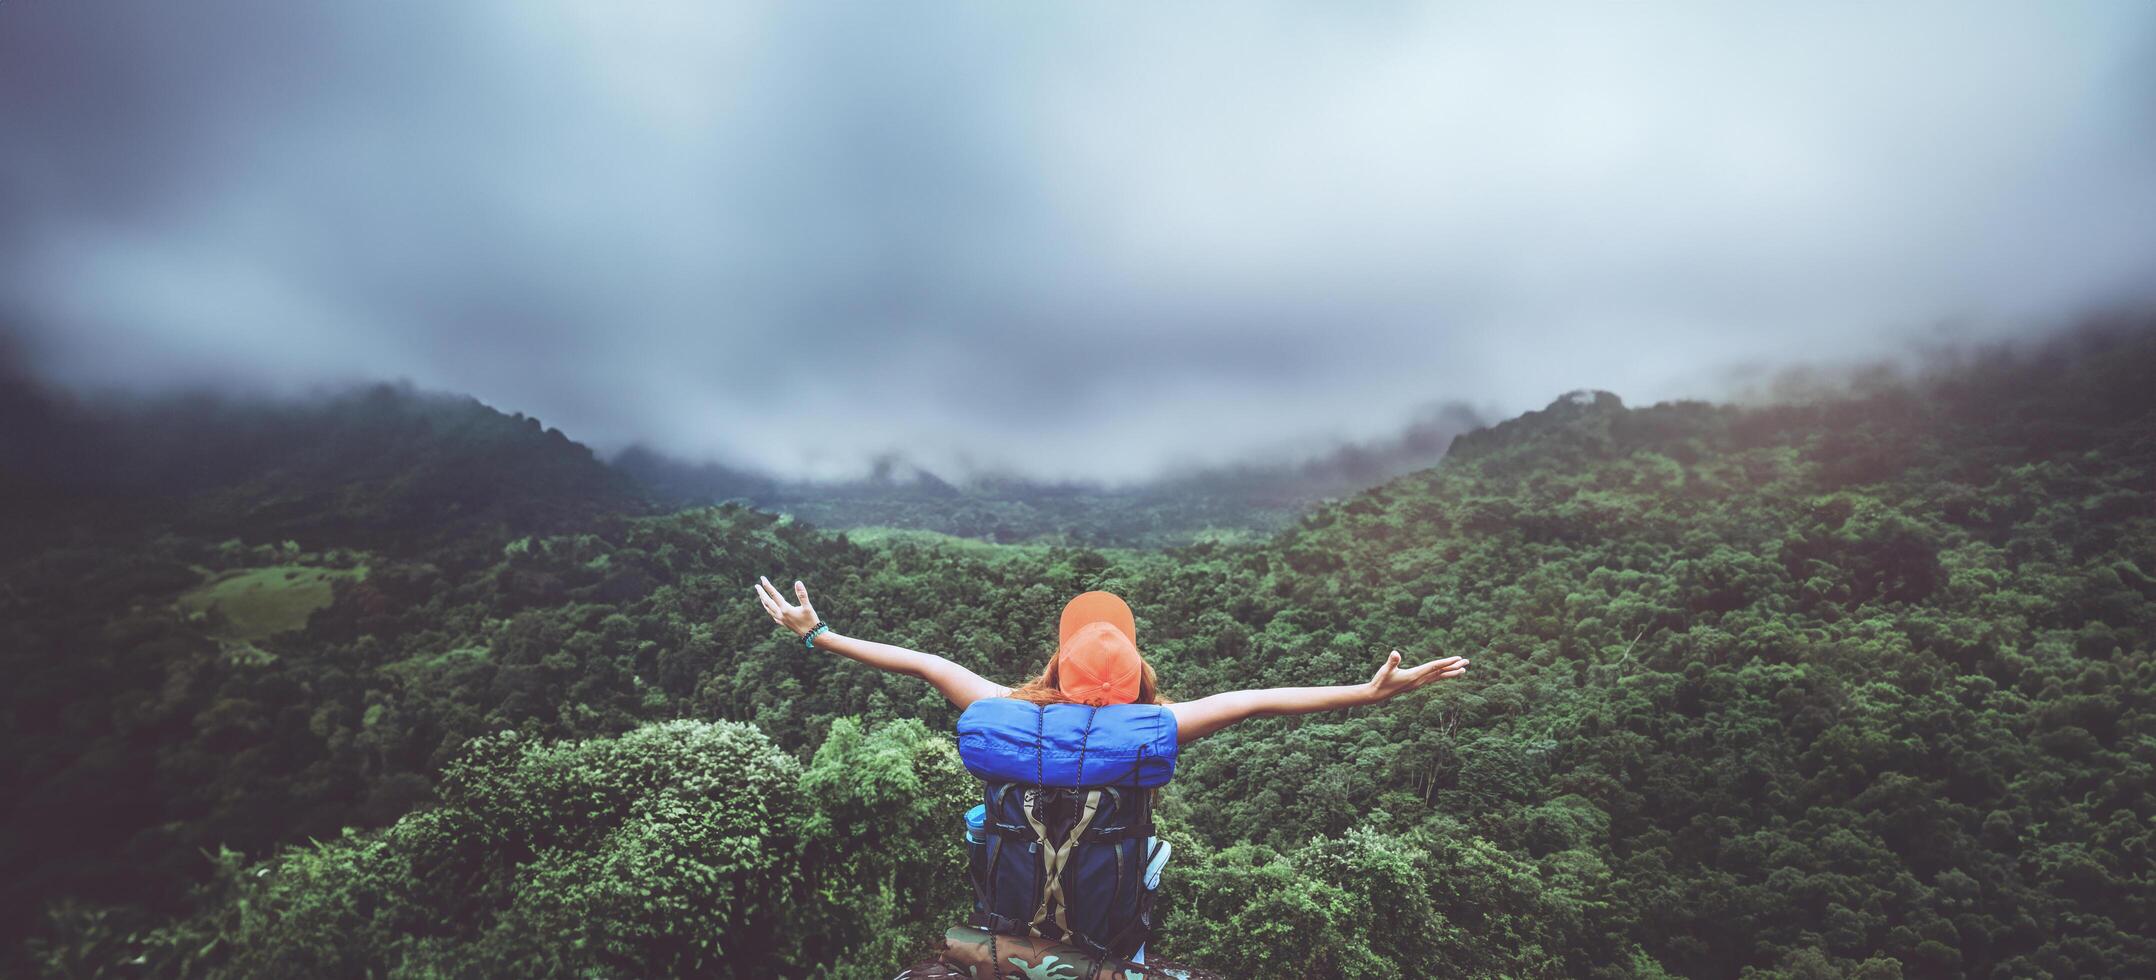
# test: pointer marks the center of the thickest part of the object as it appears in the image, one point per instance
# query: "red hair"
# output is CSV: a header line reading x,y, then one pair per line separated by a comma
x,y
1047,688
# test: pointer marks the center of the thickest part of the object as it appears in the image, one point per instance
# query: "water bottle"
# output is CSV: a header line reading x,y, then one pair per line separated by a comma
x,y
1160,859
976,819
1159,849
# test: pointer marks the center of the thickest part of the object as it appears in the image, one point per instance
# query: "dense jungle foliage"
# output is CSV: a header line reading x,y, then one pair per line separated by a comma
x,y
1857,687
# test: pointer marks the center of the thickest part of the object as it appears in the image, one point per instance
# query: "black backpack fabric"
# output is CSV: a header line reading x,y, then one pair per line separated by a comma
x,y
1068,794
1065,863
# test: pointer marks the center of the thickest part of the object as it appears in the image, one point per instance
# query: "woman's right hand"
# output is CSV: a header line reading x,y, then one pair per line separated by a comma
x,y
800,619
1390,680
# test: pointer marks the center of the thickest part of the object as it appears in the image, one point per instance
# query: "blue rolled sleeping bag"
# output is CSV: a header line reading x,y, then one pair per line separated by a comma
x,y
1008,740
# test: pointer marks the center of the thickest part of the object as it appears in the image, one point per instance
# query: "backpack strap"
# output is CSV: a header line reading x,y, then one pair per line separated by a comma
x,y
1053,859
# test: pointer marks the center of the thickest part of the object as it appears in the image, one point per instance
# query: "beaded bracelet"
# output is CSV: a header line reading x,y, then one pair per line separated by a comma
x,y
808,639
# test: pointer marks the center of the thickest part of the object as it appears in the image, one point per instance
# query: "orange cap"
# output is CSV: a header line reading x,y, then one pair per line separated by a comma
x,y
1097,650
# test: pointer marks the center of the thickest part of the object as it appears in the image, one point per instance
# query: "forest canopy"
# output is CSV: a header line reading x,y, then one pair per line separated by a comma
x,y
1847,686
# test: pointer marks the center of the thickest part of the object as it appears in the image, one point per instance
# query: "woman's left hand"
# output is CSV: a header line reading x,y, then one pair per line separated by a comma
x,y
800,619
1390,680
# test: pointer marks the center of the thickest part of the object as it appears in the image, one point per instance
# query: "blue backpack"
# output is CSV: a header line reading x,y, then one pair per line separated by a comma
x,y
1067,789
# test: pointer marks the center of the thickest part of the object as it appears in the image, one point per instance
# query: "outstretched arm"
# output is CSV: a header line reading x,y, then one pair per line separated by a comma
x,y
962,686
1196,719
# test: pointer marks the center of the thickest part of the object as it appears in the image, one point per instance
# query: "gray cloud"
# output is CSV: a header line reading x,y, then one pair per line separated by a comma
x,y
1085,242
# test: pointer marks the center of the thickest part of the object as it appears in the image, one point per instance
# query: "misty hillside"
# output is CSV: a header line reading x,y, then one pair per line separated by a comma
x,y
380,465
1175,508
384,466
1860,687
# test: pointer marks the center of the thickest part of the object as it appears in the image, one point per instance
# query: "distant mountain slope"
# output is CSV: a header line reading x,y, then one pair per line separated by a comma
x,y
1257,497
384,466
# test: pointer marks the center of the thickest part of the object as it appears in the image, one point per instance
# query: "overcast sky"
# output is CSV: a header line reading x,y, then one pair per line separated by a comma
x,y
1075,240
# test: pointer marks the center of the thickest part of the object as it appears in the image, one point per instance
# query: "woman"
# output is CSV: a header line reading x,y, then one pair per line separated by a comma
x,y
1099,697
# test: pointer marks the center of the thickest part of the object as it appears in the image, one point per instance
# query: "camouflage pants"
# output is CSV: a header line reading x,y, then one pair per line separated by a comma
x,y
978,955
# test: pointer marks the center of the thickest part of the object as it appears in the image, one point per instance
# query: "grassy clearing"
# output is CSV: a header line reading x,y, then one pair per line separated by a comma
x,y
878,535
260,602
